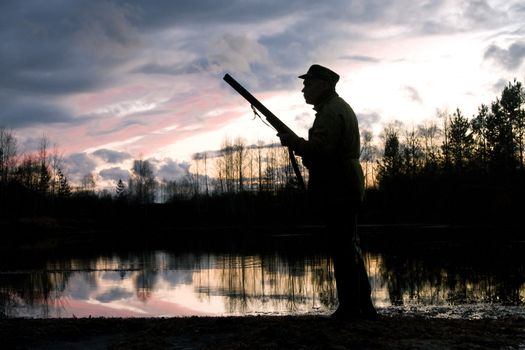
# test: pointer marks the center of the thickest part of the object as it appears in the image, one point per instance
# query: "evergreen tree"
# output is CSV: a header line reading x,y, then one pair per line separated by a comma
x,y
389,167
121,189
461,142
500,140
64,190
512,101
479,132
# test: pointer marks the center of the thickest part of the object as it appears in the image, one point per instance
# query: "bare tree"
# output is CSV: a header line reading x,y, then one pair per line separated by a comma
x,y
412,153
8,153
239,161
88,183
429,132
28,172
196,178
142,184
43,162
260,145
227,166
368,152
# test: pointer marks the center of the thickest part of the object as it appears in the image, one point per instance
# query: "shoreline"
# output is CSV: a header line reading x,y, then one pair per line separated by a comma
x,y
263,332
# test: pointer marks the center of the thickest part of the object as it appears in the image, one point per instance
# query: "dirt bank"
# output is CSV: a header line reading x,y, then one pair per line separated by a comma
x,y
263,332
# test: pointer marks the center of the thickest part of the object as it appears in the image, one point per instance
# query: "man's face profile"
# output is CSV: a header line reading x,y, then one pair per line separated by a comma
x,y
313,89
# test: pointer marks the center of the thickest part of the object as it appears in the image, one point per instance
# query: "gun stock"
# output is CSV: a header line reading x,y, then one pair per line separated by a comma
x,y
271,118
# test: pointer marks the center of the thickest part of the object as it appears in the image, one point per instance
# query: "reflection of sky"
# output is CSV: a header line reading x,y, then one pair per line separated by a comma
x,y
116,294
162,284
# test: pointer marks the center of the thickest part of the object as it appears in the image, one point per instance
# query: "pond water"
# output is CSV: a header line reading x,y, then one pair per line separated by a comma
x,y
436,279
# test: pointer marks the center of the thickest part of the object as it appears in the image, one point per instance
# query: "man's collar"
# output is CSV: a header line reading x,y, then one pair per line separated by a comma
x,y
325,100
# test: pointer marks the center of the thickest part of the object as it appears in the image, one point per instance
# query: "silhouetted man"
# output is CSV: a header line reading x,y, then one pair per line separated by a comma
x,y
335,185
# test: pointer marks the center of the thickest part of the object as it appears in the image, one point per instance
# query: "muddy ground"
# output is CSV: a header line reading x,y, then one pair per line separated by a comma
x,y
263,332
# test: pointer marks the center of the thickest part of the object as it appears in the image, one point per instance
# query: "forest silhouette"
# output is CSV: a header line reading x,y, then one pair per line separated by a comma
x,y
451,170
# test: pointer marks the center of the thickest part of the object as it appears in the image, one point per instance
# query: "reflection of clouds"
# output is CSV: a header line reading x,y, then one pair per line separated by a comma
x,y
80,285
115,275
113,295
164,284
177,277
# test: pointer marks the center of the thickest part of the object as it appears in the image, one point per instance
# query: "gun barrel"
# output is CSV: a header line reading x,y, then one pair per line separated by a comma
x,y
270,117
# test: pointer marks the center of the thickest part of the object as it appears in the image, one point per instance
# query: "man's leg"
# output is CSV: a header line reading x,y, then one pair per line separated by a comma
x,y
353,286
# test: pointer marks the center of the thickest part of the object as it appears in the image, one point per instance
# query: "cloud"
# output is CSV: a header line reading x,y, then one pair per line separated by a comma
x,y
111,156
360,58
120,70
19,112
239,53
78,165
413,94
178,277
499,85
169,169
196,66
50,51
367,120
114,174
61,47
510,59
479,11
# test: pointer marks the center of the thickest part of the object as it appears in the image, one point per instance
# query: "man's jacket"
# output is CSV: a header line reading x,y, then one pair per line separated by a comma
x,y
332,151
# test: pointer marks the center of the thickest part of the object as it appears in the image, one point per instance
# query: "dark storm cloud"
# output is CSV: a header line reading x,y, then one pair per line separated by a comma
x,y
161,13
56,47
111,156
511,58
20,112
114,174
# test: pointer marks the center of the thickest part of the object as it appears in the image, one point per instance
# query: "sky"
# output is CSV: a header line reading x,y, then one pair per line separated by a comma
x,y
113,81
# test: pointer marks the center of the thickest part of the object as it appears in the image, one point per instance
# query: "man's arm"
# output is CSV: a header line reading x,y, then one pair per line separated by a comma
x,y
323,138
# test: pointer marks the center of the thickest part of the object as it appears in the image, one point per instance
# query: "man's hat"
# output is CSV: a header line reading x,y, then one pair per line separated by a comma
x,y
319,72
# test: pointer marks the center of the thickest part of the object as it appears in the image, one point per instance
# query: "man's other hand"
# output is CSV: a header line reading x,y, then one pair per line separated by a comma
x,y
287,140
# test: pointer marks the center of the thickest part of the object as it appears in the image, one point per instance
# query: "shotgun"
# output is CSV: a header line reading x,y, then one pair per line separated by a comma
x,y
271,119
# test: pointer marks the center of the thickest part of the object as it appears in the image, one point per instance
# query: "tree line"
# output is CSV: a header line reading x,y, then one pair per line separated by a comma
x,y
458,166
433,171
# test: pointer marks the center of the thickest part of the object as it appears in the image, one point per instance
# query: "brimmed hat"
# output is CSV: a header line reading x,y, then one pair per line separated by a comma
x,y
319,72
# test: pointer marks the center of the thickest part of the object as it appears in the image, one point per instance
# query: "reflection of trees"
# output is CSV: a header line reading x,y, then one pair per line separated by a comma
x,y
455,276
37,290
277,282
44,284
256,283
147,275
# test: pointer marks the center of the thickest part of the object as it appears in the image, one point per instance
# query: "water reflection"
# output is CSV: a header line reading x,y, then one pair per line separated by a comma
x,y
167,284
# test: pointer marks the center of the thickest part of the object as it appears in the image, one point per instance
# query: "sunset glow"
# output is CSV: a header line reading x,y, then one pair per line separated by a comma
x,y
136,79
